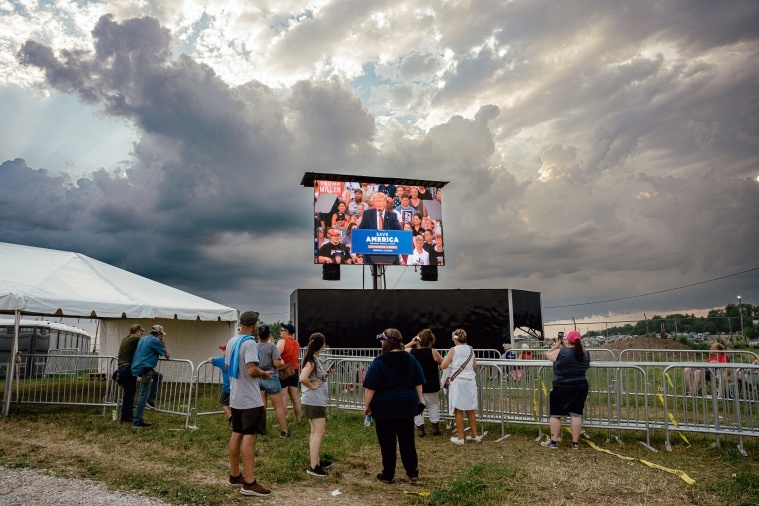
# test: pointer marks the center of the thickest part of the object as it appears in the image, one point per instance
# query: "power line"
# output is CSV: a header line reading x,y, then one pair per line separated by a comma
x,y
653,293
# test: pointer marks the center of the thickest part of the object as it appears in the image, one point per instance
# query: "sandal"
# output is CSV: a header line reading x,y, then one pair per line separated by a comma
x,y
553,445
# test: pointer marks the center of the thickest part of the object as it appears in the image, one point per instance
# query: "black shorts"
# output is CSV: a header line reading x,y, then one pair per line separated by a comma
x,y
249,421
568,399
314,412
292,381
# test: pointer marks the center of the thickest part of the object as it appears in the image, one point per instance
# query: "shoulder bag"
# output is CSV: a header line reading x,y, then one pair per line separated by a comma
x,y
453,377
286,370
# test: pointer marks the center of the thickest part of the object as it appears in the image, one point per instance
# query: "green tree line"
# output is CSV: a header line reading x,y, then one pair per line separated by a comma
x,y
717,321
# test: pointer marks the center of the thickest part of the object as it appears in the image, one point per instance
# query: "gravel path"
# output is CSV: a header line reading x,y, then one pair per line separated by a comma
x,y
25,487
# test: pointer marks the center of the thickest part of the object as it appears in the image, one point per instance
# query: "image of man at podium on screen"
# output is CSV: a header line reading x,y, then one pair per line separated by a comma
x,y
380,218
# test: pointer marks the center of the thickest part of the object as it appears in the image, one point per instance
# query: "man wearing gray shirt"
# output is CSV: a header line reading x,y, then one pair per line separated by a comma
x,y
248,411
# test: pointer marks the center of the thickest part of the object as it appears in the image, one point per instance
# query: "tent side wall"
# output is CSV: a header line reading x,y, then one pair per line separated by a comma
x,y
185,339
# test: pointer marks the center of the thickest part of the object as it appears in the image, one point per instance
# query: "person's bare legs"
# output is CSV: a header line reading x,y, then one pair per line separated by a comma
x,y
247,451
471,415
318,427
297,408
696,380
280,411
688,374
555,425
459,417
234,454
576,426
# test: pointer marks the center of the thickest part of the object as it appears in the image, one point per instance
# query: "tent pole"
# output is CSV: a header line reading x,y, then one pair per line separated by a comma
x,y
11,371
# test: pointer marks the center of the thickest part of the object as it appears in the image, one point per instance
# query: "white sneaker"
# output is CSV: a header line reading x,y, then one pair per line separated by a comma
x,y
457,441
475,439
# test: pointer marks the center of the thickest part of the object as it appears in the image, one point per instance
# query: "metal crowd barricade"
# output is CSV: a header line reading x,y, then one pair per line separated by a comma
x,y
601,355
83,381
208,382
725,402
345,352
614,400
62,361
654,355
174,394
345,385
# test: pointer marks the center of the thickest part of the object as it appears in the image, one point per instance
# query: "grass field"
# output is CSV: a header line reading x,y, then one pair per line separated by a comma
x,y
188,466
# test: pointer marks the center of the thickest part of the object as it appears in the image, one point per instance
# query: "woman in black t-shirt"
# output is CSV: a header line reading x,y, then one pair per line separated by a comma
x,y
393,396
570,387
429,358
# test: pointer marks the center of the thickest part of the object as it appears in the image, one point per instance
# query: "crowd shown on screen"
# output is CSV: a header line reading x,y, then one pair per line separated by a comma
x,y
333,230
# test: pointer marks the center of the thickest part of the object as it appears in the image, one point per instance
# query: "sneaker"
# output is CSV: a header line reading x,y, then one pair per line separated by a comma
x,y
381,477
475,439
457,441
576,446
284,434
414,478
150,406
254,489
316,471
325,464
141,425
553,445
236,481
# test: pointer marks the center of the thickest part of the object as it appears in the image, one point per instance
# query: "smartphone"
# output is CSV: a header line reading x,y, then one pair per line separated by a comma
x,y
561,336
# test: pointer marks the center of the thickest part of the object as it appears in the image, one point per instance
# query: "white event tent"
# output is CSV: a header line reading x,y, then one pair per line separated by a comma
x,y
38,281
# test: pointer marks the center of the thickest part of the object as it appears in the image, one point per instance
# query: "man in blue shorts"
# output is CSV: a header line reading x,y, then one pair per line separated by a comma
x,y
248,410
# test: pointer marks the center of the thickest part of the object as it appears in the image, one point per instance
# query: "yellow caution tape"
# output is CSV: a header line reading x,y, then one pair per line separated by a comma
x,y
687,479
669,413
421,494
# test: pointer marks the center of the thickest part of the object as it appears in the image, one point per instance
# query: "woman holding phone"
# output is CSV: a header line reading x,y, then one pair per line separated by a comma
x,y
570,386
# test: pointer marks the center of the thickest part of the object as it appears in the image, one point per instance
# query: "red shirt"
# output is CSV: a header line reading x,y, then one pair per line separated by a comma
x,y
718,357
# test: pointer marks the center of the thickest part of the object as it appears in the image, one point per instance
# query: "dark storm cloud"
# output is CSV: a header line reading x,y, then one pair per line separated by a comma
x,y
212,161
613,151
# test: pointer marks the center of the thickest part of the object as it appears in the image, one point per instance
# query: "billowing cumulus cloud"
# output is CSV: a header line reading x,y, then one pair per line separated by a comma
x,y
593,152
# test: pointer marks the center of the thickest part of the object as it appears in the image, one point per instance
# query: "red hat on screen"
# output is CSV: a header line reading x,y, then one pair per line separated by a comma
x,y
223,347
574,336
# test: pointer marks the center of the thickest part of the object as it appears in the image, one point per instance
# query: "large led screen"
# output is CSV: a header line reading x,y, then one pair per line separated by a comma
x,y
365,223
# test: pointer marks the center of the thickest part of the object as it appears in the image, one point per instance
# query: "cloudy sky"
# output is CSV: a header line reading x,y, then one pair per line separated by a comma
x,y
595,150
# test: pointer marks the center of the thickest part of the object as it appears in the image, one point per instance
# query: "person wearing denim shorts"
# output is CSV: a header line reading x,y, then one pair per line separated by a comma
x,y
271,361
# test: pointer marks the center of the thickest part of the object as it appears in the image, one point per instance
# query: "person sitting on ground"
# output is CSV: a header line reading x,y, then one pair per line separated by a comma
x,y
693,376
749,376
525,354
